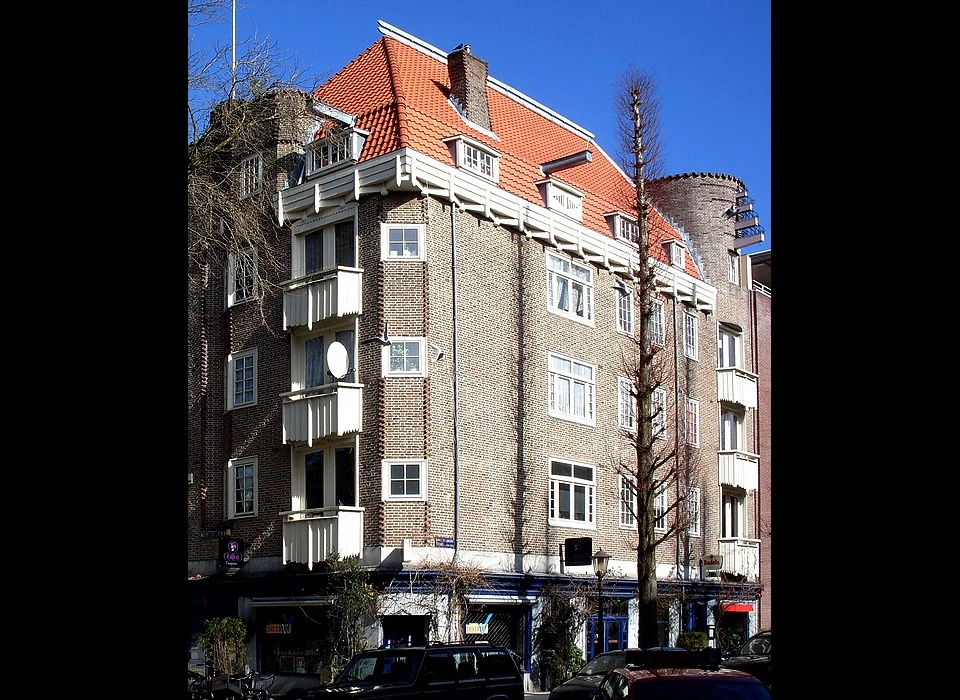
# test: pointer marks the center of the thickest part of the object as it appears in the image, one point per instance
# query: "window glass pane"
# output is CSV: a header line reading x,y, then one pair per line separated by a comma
x,y
313,252
313,465
346,483
345,251
314,363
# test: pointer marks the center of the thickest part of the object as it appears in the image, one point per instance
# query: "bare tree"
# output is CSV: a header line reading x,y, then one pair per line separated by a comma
x,y
658,467
243,99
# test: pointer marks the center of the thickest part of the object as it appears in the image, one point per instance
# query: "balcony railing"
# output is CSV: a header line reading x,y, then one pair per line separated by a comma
x,y
334,293
740,469
741,557
737,386
310,536
313,414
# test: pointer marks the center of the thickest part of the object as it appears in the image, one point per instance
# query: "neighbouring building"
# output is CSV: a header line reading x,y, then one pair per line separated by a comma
x,y
439,382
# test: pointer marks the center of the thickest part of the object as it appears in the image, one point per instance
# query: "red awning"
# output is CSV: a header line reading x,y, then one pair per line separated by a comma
x,y
738,607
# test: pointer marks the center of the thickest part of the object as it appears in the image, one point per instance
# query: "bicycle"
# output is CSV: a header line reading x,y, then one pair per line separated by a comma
x,y
250,686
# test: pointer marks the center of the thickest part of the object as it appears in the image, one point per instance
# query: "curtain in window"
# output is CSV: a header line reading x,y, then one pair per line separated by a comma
x,y
345,253
563,294
313,252
314,363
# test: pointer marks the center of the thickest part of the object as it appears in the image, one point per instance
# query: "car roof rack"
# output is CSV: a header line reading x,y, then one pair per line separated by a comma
x,y
708,657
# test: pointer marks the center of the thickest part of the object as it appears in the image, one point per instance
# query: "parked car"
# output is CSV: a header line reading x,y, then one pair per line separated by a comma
x,y
461,671
754,657
676,675
582,684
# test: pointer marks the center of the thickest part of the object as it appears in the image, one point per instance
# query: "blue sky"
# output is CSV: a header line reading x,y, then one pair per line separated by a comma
x,y
710,59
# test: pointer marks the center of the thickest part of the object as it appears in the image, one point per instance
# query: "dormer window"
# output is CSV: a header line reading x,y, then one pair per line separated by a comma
x,y
675,253
342,147
474,156
562,198
623,227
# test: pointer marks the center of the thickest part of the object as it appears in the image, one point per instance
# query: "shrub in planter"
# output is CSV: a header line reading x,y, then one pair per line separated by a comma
x,y
692,641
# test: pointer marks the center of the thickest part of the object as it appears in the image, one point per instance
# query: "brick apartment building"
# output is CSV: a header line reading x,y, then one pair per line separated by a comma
x,y
440,382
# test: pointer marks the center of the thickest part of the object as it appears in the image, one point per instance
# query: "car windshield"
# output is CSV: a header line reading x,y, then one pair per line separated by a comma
x,y
390,667
599,665
759,644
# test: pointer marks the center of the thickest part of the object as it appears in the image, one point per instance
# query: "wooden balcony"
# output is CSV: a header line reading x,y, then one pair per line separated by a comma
x,y
330,294
741,557
737,386
310,536
740,469
328,410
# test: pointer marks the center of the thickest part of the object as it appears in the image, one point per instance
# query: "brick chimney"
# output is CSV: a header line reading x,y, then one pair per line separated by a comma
x,y
468,85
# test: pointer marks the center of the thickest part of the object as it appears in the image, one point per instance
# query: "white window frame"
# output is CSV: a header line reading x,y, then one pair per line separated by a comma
x,y
627,229
235,469
692,422
656,322
660,508
677,251
626,405
251,175
241,281
326,229
625,313
693,512
476,157
389,250
561,272
341,147
560,377
628,499
690,342
729,343
733,269
658,418
396,350
733,513
238,361
575,484
421,479
732,433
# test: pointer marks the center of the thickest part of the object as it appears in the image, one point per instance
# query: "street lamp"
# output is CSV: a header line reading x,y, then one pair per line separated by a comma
x,y
601,560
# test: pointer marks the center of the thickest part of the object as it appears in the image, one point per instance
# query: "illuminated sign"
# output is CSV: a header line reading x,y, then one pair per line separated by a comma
x,y
231,552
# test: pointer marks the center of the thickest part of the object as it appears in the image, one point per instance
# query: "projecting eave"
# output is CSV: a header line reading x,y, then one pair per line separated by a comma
x,y
407,170
685,288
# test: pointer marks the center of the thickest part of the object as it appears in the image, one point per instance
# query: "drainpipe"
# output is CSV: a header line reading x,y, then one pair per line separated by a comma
x,y
676,371
456,391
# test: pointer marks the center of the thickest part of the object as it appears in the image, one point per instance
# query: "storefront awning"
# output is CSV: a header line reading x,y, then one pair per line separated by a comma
x,y
738,607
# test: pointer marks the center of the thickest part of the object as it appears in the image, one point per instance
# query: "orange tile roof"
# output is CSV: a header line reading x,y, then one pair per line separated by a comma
x,y
400,95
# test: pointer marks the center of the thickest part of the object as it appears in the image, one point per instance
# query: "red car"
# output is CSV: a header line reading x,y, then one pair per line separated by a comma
x,y
687,675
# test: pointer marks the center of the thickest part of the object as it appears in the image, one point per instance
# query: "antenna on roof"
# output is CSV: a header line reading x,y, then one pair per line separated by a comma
x,y
233,62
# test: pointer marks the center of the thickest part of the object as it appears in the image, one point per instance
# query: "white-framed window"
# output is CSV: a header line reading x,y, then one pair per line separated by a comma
x,y
660,508
572,389
676,252
626,404
241,276
733,522
309,359
728,347
731,429
251,175
656,322
340,147
325,248
476,157
625,312
690,335
405,480
628,500
733,268
403,241
324,478
572,493
569,288
658,408
405,357
241,379
627,230
693,512
241,488
693,422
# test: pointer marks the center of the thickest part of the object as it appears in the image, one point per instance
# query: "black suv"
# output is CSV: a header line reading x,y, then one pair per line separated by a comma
x,y
461,671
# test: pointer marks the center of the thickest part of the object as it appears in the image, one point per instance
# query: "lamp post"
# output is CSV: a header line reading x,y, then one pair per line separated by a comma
x,y
601,560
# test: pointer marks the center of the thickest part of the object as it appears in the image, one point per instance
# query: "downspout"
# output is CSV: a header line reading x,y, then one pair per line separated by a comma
x,y
456,391
676,372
